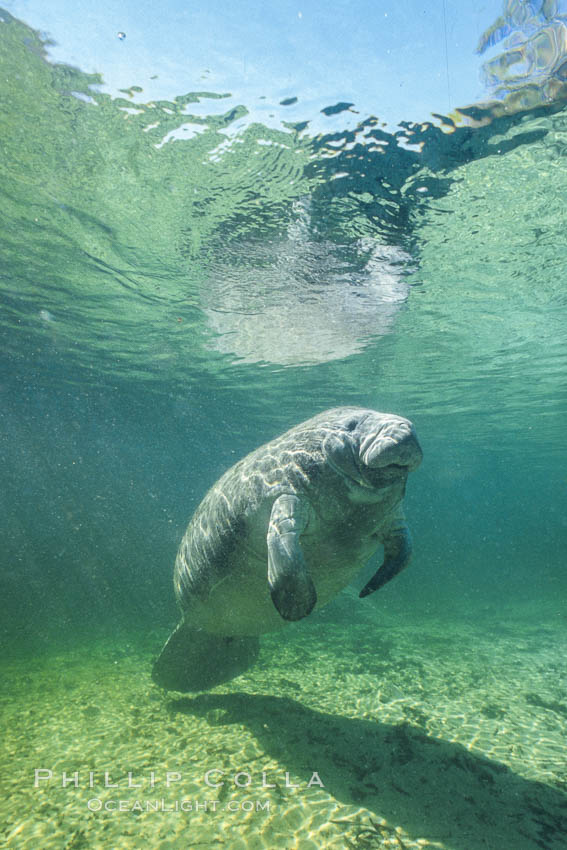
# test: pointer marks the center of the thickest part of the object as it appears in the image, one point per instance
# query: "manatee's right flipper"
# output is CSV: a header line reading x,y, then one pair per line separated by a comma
x,y
291,587
193,660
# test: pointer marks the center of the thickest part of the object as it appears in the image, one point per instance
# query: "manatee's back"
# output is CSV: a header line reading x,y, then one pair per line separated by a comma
x,y
235,512
215,531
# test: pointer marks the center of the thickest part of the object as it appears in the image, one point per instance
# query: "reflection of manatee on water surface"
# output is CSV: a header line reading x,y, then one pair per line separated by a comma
x,y
297,299
281,533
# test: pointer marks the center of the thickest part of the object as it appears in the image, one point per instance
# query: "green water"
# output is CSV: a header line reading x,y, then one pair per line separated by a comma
x,y
168,306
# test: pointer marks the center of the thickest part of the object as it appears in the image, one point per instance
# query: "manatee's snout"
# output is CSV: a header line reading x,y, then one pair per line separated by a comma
x,y
393,443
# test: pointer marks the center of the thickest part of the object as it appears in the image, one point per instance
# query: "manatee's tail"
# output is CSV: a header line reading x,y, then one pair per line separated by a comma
x,y
193,660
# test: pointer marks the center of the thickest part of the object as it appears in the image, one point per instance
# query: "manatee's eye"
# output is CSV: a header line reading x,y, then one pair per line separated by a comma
x,y
351,424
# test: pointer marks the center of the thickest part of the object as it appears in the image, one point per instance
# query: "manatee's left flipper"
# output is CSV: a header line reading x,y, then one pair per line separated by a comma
x,y
397,554
291,587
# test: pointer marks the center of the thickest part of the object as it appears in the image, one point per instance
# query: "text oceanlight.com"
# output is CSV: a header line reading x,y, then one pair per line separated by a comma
x,y
98,805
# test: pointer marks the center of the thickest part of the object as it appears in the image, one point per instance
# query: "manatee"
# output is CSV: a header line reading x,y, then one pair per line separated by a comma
x,y
281,533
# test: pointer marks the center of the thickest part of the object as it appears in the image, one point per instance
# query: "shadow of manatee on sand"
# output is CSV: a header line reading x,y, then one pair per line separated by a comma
x,y
433,789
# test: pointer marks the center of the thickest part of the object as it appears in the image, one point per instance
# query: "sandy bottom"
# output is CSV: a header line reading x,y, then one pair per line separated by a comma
x,y
436,732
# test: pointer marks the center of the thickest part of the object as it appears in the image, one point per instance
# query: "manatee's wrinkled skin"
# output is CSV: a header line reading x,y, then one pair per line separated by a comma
x,y
287,527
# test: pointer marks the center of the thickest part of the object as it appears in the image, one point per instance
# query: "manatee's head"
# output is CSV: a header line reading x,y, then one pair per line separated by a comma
x,y
372,451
